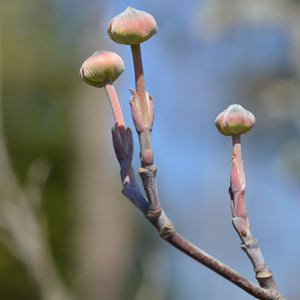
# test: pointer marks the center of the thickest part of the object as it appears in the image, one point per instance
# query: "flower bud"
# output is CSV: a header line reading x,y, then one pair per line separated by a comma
x,y
235,120
101,67
132,27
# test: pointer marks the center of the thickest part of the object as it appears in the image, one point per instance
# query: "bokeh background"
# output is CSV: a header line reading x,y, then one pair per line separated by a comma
x,y
66,231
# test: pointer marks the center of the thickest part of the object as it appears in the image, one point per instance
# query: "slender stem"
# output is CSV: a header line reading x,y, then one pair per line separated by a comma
x,y
139,78
237,179
114,103
146,154
237,149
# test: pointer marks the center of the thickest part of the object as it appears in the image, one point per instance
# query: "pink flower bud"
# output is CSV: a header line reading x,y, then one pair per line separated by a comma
x,y
235,120
132,27
101,67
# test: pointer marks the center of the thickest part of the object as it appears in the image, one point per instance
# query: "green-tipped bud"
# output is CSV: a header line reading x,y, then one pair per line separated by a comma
x,y
235,120
132,27
101,67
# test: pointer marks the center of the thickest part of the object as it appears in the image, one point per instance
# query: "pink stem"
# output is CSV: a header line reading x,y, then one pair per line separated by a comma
x,y
237,179
139,77
237,149
114,103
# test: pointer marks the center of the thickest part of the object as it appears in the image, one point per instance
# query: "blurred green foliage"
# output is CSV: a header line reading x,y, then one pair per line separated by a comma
x,y
14,282
37,82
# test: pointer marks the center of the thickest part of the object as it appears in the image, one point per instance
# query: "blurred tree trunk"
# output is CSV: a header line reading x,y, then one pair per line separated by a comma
x,y
101,231
100,222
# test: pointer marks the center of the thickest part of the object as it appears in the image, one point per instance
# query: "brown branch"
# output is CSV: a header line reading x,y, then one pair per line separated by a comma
x,y
215,265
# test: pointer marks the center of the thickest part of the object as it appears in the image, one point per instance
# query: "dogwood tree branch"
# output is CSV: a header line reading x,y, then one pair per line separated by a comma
x,y
133,27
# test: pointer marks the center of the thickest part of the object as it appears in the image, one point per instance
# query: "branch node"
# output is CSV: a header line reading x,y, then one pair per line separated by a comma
x,y
153,214
150,171
252,243
260,268
267,274
167,231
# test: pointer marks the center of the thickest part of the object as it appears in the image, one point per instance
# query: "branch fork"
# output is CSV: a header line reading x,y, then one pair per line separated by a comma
x,y
123,146
143,121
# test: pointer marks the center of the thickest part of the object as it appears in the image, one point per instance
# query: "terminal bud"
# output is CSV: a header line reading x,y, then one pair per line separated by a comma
x,y
132,27
235,120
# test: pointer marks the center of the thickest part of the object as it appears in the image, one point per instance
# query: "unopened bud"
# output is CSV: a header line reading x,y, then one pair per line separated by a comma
x,y
235,120
101,67
132,27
